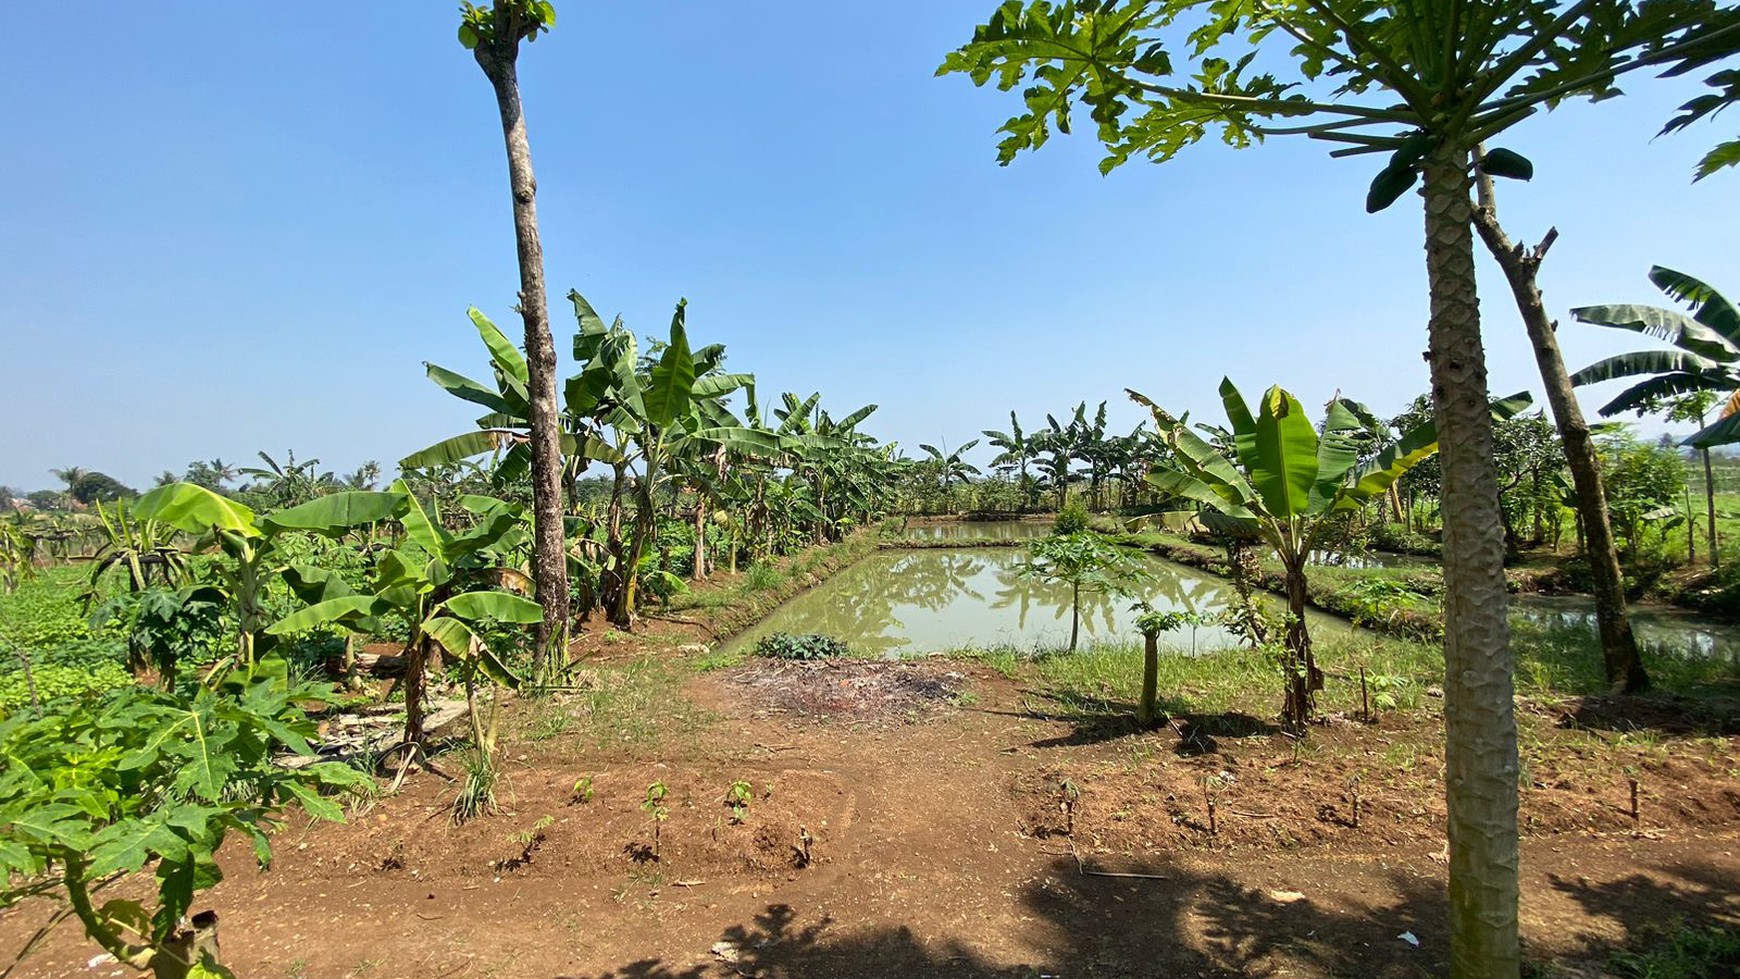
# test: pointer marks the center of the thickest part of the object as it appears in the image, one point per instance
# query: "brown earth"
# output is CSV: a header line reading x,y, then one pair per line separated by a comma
x,y
939,819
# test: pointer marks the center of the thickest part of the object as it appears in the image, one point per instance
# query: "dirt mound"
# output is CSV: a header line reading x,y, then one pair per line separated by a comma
x,y
849,689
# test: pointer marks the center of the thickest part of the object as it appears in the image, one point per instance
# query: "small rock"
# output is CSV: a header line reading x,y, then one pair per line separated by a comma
x,y
103,959
1434,691
1286,897
726,951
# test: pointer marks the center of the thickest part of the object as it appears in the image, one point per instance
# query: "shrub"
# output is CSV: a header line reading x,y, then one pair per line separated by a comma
x,y
812,646
1073,518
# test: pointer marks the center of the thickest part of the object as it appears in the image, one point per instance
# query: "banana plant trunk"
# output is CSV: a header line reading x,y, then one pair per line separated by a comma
x,y
1623,665
1302,676
1479,717
700,535
498,56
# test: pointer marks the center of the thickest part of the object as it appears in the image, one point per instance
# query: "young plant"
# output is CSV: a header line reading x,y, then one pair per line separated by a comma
x,y
1083,561
654,805
1288,483
583,789
738,797
153,779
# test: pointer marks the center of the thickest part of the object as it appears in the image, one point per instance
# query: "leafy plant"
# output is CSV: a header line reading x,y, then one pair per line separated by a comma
x,y
1081,560
738,797
1287,483
654,806
152,779
809,646
583,789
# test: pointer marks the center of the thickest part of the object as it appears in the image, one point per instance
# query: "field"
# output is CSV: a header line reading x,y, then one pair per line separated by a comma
x,y
980,814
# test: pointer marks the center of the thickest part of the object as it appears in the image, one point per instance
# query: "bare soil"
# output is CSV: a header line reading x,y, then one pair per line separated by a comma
x,y
938,819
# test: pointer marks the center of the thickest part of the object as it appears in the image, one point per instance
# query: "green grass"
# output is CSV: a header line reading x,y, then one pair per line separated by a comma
x,y
1107,676
1682,953
636,705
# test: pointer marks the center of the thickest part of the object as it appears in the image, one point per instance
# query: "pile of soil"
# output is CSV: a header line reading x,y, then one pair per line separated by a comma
x,y
849,689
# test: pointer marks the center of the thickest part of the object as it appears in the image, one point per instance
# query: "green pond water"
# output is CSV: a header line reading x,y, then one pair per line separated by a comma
x,y
898,603
907,603
1659,628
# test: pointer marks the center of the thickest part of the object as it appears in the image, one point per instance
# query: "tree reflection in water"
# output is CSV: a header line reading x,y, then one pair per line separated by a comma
x,y
907,603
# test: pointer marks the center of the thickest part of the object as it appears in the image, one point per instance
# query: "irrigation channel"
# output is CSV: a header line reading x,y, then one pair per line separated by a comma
x,y
898,603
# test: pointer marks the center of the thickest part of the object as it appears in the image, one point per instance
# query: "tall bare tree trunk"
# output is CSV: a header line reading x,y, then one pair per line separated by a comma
x,y
1710,508
1624,668
1480,750
498,56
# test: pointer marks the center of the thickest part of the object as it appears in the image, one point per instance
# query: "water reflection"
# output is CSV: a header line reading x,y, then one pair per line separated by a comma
x,y
1664,629
905,603
978,530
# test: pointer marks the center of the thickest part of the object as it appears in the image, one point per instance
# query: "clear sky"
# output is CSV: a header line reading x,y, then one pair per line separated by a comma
x,y
236,226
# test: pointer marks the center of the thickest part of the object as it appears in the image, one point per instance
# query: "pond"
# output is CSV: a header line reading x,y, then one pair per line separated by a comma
x,y
907,603
1656,627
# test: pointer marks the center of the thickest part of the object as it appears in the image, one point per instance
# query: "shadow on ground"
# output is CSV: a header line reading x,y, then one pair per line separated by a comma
x,y
1192,924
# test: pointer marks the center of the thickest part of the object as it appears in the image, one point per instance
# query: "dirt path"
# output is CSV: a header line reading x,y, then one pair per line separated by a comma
x,y
933,850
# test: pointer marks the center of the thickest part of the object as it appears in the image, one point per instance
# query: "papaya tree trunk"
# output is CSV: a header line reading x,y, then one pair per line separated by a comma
x,y
1074,614
1619,655
1146,711
497,56
1479,717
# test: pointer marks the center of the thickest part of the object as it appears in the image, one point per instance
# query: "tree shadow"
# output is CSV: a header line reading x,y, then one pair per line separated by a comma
x,y
1164,919
1097,720
1716,714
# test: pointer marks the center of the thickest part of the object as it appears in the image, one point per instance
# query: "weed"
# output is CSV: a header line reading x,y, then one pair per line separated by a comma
x,y
477,790
812,646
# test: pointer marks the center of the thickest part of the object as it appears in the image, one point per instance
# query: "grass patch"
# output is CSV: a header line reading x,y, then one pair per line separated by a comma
x,y
637,705
1683,953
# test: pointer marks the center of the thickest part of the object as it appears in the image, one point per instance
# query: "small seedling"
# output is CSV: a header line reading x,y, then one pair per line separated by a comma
x,y
738,797
1068,794
802,855
583,789
1209,784
528,841
654,804
1353,792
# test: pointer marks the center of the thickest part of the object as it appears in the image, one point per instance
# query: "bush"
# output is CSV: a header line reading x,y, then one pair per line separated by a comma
x,y
1073,518
812,646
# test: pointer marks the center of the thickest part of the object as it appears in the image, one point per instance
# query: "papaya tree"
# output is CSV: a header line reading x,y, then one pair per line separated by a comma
x,y
1423,82
150,782
493,35
1085,562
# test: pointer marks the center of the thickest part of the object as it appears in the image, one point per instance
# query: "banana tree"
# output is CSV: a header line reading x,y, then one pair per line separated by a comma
x,y
950,468
1707,360
1288,482
252,542
440,585
1017,455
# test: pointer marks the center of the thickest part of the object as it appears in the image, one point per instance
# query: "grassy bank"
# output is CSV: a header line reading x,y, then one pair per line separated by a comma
x,y
732,603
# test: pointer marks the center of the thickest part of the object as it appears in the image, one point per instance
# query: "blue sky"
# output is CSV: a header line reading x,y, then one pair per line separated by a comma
x,y
231,227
